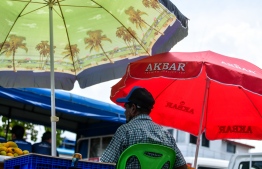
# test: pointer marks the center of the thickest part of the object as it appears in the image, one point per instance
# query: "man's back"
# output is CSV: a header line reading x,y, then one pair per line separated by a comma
x,y
141,129
23,145
43,147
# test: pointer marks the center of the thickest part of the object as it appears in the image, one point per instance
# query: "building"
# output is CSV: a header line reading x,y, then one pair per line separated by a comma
x,y
93,146
218,149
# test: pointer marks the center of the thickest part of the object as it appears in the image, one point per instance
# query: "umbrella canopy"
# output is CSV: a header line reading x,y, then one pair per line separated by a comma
x,y
223,93
53,43
200,92
33,105
88,37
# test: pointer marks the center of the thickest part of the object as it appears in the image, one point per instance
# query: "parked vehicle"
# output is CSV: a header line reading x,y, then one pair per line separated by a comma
x,y
207,163
246,161
237,161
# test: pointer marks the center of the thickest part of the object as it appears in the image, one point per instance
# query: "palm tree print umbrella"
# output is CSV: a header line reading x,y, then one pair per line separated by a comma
x,y
96,27
53,43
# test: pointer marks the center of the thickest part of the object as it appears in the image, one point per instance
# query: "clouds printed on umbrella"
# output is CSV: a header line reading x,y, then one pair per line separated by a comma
x,y
86,33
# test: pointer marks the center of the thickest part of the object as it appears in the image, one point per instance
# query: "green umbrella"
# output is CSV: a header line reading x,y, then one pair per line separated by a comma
x,y
53,43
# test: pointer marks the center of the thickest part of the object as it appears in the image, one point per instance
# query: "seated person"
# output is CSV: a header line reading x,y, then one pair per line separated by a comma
x,y
2,139
17,137
44,147
139,129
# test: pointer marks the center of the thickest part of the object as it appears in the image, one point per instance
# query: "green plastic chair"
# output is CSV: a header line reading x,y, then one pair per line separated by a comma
x,y
146,161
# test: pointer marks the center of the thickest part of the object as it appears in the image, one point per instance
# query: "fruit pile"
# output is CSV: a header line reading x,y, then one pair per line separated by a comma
x,y
11,149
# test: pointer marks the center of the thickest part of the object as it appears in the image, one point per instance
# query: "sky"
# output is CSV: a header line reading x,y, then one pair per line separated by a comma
x,y
229,27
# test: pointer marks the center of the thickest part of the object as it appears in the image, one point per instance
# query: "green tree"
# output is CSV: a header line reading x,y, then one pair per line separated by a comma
x,y
59,139
30,129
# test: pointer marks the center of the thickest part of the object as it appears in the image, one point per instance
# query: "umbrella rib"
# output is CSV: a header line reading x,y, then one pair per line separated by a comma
x,y
81,6
63,18
252,103
71,6
1,46
165,89
57,13
123,26
33,10
28,1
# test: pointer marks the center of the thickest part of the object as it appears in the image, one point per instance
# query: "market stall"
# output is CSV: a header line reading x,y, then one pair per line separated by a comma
x,y
75,112
37,161
78,114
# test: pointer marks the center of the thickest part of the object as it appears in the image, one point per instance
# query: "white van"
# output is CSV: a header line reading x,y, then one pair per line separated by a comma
x,y
207,163
246,161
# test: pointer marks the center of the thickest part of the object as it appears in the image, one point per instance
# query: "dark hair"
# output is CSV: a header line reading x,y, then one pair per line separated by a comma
x,y
18,131
46,136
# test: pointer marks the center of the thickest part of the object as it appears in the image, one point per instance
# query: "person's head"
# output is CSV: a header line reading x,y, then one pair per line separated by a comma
x,y
138,101
18,132
47,136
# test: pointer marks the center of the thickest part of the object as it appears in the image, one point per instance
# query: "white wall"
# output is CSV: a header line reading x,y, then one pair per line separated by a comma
x,y
217,148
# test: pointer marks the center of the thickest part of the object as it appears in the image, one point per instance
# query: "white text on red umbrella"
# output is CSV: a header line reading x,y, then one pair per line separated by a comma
x,y
165,66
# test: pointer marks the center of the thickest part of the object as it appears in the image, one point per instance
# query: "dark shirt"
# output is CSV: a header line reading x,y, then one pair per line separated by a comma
x,y
23,145
140,129
2,140
43,147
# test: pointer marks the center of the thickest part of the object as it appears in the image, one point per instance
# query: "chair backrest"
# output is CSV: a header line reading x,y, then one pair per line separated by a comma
x,y
141,151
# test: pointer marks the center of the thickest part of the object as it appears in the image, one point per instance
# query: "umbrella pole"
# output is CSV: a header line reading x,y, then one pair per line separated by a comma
x,y
201,122
54,119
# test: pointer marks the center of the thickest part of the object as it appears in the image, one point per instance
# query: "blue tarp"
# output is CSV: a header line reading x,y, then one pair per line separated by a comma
x,y
34,105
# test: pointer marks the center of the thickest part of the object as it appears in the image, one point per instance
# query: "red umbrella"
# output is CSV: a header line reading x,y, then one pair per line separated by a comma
x,y
219,93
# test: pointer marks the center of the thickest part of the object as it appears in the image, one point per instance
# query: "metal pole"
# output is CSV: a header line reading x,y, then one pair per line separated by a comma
x,y
250,161
201,122
53,114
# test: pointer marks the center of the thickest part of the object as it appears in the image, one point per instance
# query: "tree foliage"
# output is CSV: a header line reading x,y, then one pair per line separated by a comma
x,y
31,132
